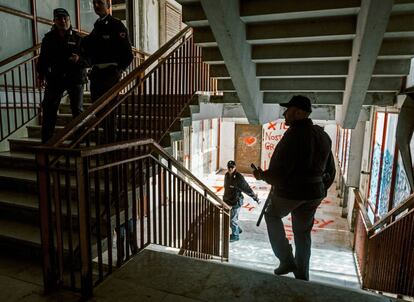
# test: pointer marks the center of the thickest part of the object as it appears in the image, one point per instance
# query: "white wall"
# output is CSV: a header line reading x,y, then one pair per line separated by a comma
x,y
331,130
147,25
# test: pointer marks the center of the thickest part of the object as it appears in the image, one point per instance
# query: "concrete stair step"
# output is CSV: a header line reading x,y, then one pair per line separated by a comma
x,y
35,132
64,118
23,144
242,284
18,160
19,180
19,234
65,108
19,206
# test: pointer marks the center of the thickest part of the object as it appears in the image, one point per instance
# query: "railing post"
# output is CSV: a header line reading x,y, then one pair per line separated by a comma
x,y
46,226
82,183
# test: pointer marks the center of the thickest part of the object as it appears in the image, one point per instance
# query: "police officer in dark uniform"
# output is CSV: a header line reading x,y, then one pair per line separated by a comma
x,y
61,67
108,48
234,185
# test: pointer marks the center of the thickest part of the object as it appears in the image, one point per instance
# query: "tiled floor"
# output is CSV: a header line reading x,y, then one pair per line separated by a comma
x,y
332,258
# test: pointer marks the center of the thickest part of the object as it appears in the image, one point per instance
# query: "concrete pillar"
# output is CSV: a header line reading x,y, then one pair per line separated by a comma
x,y
354,162
405,128
230,34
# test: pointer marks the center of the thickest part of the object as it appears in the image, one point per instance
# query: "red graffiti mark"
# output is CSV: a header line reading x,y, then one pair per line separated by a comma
x,y
323,223
273,137
250,140
218,188
269,146
326,201
248,206
318,224
272,125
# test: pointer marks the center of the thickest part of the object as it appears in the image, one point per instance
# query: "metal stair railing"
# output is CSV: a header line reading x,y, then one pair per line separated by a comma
x,y
385,250
93,172
20,92
153,95
136,189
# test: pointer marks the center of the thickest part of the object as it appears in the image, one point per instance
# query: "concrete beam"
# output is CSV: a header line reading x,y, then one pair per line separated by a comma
x,y
306,30
371,25
302,69
303,84
230,34
203,36
212,55
319,112
219,71
332,98
309,51
400,25
386,68
377,84
323,51
397,48
265,10
193,14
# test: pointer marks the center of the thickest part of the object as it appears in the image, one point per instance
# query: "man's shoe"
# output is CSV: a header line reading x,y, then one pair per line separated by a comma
x,y
240,230
234,238
285,268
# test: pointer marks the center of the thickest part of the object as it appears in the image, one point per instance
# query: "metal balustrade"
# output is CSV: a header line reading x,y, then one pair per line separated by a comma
x,y
385,250
106,173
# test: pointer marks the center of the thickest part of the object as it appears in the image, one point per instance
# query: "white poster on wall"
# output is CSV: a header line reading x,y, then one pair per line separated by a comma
x,y
272,134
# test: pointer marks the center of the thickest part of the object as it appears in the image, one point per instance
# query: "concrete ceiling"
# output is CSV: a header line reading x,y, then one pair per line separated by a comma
x,y
353,53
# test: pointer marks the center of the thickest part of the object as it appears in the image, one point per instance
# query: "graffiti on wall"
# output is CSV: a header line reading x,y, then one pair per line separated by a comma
x,y
272,134
402,187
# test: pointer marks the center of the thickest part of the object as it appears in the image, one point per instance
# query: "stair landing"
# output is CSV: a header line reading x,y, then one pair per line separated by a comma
x,y
158,276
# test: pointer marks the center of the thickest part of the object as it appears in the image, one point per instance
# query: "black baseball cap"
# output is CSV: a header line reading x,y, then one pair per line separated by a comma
x,y
60,12
231,164
299,101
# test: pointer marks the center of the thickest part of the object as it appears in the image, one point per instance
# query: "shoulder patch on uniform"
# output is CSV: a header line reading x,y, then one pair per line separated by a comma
x,y
122,35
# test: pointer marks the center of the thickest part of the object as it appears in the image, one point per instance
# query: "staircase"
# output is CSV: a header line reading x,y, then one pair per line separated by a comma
x,y
351,53
19,218
79,213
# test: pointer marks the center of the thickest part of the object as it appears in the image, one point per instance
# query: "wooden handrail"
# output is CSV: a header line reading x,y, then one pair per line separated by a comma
x,y
19,55
90,151
407,204
107,97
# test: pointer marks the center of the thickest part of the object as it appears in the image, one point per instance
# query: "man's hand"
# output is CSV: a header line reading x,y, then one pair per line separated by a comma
x,y
74,58
258,174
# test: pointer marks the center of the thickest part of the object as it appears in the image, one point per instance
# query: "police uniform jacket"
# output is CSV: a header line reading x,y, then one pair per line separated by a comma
x,y
302,166
109,43
54,64
234,185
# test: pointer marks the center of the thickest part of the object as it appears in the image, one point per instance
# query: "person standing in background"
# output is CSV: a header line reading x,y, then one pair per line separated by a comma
x,y
61,67
234,186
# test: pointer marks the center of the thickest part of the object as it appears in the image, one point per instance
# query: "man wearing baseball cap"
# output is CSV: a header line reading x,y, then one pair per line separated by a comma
x,y
61,67
300,171
234,185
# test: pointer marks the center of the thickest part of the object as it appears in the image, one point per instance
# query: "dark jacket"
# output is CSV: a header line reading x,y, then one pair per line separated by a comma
x,y
234,185
54,65
302,166
109,43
